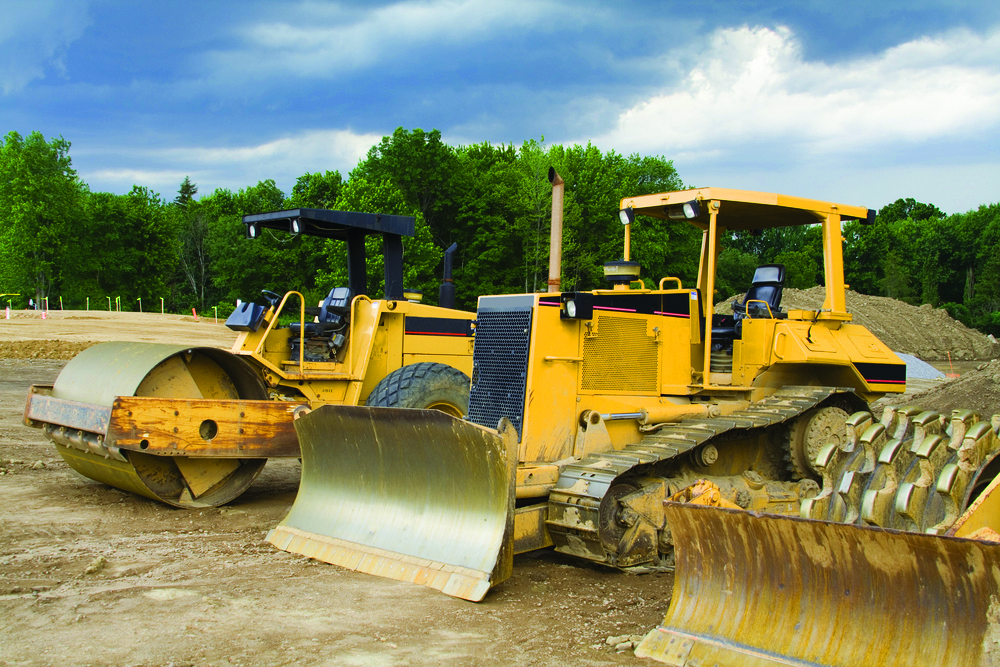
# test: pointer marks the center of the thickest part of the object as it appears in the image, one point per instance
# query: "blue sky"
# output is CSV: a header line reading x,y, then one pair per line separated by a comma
x,y
859,102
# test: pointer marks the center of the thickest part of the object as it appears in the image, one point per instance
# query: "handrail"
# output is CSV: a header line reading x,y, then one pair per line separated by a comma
x,y
350,339
766,305
663,280
302,326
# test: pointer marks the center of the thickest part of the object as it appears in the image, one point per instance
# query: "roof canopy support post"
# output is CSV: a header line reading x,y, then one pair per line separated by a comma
x,y
392,249
710,253
833,266
357,275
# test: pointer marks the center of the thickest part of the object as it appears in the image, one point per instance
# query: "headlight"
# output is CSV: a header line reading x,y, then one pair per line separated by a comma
x,y
577,306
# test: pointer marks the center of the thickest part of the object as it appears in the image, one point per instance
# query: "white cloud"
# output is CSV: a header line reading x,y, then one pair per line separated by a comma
x,y
34,35
325,40
283,160
753,87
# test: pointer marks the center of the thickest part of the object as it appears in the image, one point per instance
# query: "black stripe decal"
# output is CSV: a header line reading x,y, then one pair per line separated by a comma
x,y
438,326
670,305
882,373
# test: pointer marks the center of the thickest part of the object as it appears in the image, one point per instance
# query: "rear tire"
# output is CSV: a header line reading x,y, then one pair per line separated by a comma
x,y
424,386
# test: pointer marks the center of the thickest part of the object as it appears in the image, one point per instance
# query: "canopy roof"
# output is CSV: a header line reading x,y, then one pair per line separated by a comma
x,y
745,209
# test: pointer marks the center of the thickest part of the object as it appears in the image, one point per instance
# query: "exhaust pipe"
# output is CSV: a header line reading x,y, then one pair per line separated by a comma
x,y
555,245
446,295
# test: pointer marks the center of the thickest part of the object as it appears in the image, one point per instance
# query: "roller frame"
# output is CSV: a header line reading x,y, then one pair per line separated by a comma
x,y
171,426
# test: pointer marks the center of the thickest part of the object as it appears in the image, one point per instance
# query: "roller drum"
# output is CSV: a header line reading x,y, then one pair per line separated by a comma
x,y
103,372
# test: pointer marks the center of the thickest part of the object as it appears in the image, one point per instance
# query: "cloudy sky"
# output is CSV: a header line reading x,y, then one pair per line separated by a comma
x,y
856,101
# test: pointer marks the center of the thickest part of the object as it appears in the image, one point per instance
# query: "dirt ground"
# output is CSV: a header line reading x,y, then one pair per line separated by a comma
x,y
90,575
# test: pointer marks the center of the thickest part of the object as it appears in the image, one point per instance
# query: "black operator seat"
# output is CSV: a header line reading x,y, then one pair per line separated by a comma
x,y
332,313
768,282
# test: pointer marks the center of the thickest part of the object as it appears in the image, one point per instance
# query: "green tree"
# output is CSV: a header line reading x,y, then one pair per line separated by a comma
x,y
903,209
420,255
138,248
897,284
801,269
40,201
186,193
319,190
423,168
733,273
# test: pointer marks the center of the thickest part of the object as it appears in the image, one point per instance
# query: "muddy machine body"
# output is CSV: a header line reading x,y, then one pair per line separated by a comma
x,y
616,399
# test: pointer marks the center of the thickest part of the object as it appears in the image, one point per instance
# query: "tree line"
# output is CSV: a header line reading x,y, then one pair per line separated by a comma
x,y
60,239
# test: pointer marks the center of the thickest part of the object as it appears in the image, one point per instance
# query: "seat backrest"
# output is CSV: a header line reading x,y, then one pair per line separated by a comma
x,y
337,302
768,282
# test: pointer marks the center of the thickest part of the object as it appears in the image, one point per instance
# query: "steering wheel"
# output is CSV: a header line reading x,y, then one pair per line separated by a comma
x,y
271,297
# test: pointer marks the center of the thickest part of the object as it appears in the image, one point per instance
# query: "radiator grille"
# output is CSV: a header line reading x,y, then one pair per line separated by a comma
x,y
500,367
620,358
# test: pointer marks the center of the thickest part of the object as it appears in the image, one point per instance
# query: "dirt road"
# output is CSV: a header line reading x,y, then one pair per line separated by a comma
x,y
90,575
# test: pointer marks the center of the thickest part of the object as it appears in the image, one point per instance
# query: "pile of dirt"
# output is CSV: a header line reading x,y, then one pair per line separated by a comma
x,y
925,332
977,390
42,349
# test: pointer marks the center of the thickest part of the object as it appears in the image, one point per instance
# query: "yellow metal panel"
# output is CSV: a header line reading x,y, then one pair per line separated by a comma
x,y
675,335
551,406
530,532
434,346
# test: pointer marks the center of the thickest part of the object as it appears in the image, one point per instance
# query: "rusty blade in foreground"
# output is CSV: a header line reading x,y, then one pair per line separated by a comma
x,y
412,495
755,590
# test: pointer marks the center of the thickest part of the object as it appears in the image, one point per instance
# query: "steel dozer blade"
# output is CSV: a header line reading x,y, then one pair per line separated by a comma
x,y
110,397
411,495
755,590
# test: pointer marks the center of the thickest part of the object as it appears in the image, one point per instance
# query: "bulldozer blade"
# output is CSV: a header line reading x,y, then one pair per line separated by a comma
x,y
755,590
411,495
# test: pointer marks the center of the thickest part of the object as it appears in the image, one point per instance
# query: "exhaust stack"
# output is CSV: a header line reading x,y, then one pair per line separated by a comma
x,y
555,245
446,295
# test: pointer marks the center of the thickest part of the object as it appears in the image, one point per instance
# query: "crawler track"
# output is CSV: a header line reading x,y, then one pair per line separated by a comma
x,y
587,491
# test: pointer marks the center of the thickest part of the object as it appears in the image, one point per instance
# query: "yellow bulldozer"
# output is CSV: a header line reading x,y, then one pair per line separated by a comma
x,y
193,426
588,410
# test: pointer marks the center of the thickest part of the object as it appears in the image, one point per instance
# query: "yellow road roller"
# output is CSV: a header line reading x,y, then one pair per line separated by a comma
x,y
193,426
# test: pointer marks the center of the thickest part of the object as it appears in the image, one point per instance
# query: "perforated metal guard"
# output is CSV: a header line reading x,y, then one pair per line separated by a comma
x,y
621,357
500,367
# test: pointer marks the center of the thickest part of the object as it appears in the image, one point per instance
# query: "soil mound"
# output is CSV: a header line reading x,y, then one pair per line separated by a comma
x,y
925,332
42,349
977,390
